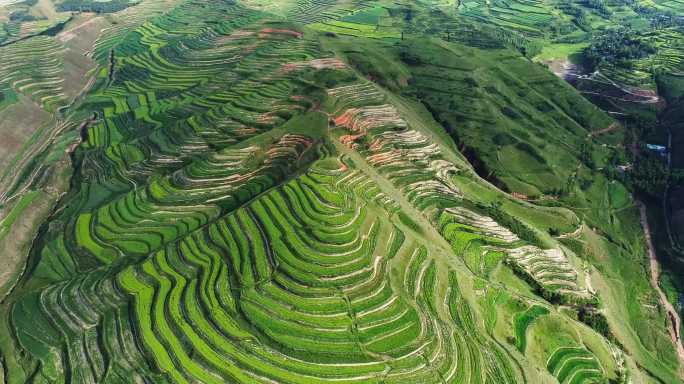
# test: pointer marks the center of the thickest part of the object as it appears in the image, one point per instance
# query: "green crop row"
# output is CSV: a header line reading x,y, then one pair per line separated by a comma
x,y
522,321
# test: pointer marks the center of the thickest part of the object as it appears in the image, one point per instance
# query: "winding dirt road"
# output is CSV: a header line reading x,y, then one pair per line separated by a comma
x,y
613,126
655,273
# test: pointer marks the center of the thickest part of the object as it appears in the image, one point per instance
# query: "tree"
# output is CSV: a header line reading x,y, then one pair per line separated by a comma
x,y
650,175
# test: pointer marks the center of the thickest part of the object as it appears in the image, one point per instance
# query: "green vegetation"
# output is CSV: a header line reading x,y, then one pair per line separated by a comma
x,y
521,323
324,191
25,18
12,216
575,365
94,6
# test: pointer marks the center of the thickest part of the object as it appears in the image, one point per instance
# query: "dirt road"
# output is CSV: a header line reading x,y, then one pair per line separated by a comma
x,y
655,273
613,126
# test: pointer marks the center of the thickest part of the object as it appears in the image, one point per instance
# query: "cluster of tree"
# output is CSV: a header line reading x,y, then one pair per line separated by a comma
x,y
528,47
586,156
410,58
616,46
524,232
376,68
470,32
504,138
677,177
598,6
553,297
650,175
55,29
591,316
644,125
21,16
628,3
565,32
645,11
579,15
93,6
666,20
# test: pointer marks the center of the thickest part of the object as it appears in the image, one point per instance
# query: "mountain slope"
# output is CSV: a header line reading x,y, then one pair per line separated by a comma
x,y
257,197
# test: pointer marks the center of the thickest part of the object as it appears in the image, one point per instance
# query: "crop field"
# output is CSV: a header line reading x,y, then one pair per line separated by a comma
x,y
522,322
357,29
271,192
527,17
573,365
374,23
669,58
320,302
33,67
415,166
21,19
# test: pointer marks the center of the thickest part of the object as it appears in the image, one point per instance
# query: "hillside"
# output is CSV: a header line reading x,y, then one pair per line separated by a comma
x,y
315,191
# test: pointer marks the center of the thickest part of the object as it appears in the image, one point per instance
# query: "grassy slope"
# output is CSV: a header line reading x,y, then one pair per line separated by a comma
x,y
475,121
526,128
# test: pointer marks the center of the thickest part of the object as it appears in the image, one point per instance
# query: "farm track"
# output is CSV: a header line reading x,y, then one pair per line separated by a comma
x,y
439,245
412,163
672,313
612,127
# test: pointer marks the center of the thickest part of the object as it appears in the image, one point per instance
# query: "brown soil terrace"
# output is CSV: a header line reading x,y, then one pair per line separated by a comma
x,y
273,31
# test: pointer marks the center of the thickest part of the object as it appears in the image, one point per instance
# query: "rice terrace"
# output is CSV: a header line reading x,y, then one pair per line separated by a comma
x,y
341,191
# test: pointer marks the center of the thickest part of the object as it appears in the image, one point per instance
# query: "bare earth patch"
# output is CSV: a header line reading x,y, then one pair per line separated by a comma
x,y
78,39
18,123
16,243
672,314
26,130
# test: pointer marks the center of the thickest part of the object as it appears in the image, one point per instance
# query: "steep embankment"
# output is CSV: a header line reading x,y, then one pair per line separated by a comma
x,y
655,281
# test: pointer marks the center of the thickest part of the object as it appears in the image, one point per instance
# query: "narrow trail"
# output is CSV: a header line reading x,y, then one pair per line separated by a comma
x,y
655,273
437,244
612,127
67,35
573,234
641,96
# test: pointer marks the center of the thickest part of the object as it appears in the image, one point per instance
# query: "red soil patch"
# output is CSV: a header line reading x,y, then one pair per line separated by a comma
x,y
519,196
267,32
318,64
344,120
347,139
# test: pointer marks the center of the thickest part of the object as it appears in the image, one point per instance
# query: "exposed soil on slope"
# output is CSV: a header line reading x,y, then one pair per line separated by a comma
x,y
655,274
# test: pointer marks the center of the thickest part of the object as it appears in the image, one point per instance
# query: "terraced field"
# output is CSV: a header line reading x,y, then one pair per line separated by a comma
x,y
415,166
527,17
573,365
33,67
239,201
668,59
21,19
522,322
